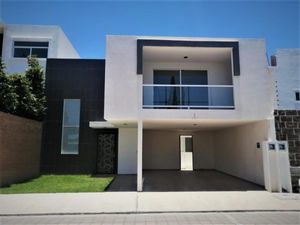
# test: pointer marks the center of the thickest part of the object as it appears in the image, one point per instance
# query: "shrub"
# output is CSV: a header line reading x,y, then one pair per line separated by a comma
x,y
8,97
23,95
35,76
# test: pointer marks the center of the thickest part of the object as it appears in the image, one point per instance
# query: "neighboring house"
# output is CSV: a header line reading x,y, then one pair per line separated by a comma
x,y
285,69
165,104
19,41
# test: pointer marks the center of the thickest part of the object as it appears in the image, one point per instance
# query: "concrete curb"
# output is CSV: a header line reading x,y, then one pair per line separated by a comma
x,y
153,212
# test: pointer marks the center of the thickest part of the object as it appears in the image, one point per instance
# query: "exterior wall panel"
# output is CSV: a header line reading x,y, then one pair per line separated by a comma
x,y
161,149
287,123
236,152
127,151
20,145
287,79
80,79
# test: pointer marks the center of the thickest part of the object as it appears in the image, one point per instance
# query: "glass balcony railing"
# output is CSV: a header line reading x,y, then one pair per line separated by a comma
x,y
157,96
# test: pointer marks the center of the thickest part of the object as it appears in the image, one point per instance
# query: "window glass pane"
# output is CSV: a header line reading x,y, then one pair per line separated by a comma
x,y
70,140
166,96
71,112
297,95
197,96
70,136
21,52
188,144
40,52
31,43
196,77
166,77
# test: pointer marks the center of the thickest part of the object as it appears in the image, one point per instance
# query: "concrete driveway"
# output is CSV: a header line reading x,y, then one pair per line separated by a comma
x,y
166,180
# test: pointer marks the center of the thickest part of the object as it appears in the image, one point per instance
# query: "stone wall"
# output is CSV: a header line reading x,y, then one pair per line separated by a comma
x,y
20,145
287,123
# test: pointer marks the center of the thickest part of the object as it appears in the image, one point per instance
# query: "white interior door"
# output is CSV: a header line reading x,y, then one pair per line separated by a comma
x,y
186,152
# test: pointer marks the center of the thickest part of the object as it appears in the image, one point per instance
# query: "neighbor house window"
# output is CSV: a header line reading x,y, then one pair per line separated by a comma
x,y
297,96
23,49
70,127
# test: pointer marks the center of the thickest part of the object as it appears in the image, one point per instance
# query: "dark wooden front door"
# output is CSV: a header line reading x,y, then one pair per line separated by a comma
x,y
107,153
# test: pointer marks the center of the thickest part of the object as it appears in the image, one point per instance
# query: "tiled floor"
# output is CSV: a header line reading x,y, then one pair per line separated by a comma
x,y
273,218
202,180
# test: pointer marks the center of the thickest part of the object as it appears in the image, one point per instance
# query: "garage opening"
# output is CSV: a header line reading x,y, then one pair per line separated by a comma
x,y
211,159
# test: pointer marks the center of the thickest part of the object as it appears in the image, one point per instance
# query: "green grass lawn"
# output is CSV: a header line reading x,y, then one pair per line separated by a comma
x,y
60,183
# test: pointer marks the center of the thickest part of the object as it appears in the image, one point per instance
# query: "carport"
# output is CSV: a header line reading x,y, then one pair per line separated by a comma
x,y
201,180
223,158
172,180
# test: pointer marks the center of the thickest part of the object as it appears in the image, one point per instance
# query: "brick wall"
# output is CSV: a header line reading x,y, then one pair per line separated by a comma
x,y
287,123
20,144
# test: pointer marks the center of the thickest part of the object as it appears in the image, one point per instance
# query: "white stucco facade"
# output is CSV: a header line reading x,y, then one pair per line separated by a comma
x,y
286,75
223,139
127,151
252,89
59,44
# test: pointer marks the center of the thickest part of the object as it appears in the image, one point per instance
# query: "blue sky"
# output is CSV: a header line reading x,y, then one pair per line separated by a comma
x,y
87,22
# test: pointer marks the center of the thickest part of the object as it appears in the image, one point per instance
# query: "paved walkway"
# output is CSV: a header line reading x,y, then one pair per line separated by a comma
x,y
157,219
132,202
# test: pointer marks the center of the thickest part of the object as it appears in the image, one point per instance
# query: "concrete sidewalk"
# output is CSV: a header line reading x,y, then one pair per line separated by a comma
x,y
139,202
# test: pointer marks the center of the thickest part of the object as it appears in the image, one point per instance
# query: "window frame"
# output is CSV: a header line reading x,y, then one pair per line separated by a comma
x,y
62,152
30,47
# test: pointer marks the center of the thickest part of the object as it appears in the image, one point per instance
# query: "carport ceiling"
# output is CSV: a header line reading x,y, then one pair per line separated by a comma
x,y
194,54
193,125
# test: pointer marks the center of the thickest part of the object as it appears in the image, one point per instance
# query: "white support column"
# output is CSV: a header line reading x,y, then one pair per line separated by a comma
x,y
140,156
271,129
140,133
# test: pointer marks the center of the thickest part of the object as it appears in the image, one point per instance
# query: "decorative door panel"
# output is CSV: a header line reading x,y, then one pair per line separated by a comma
x,y
106,161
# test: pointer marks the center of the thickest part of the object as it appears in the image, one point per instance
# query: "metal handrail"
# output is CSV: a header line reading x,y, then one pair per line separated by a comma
x,y
184,85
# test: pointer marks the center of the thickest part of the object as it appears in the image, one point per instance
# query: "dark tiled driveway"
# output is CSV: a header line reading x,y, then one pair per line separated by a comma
x,y
165,180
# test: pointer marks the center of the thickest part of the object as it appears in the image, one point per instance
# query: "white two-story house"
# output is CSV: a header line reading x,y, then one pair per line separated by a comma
x,y
188,104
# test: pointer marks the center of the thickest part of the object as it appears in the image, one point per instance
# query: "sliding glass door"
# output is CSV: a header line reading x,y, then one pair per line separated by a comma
x,y
175,87
194,96
169,91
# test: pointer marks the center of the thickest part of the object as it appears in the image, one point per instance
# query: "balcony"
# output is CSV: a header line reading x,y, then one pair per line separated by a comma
x,y
173,96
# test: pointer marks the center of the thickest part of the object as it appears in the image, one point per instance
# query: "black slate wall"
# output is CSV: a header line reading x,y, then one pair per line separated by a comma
x,y
287,123
72,78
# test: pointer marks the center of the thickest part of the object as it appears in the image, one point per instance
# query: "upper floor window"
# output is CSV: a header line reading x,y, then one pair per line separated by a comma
x,y
23,49
297,96
70,127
